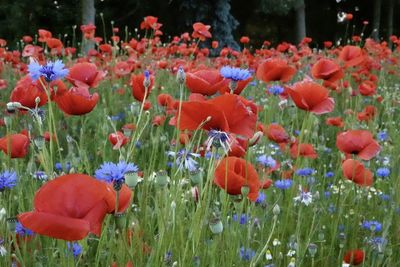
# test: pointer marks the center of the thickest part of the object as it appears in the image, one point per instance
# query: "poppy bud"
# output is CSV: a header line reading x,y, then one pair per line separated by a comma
x,y
180,75
216,226
245,190
276,210
146,81
120,220
196,176
11,223
12,106
256,137
39,141
131,179
37,100
162,178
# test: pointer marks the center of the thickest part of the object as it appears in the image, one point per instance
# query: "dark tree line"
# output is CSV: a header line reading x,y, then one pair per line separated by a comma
x,y
273,20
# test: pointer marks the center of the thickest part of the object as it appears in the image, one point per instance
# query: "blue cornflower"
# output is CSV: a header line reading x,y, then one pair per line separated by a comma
x,y
246,254
51,71
185,159
119,117
276,89
8,179
261,198
22,231
235,74
244,218
218,139
283,184
383,172
40,175
58,166
384,197
382,136
266,161
305,172
329,174
209,154
111,172
75,248
374,226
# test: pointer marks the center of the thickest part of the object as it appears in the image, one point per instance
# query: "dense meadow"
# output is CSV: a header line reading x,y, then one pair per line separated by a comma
x,y
126,151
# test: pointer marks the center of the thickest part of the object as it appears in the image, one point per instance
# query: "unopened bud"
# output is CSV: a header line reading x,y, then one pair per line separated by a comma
x,y
180,75
256,137
37,100
276,210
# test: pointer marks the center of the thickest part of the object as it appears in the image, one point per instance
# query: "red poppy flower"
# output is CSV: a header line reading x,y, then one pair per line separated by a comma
x,y
26,91
27,39
367,88
86,74
312,97
354,257
367,114
228,113
150,22
275,70
201,31
355,171
351,55
138,89
88,31
233,173
205,81
244,39
118,139
327,70
358,142
76,101
335,121
276,133
302,150
214,44
18,143
123,68
44,35
238,147
78,204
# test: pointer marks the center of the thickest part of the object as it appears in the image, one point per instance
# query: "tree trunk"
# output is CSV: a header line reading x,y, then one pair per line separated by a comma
x,y
88,17
390,11
376,19
300,21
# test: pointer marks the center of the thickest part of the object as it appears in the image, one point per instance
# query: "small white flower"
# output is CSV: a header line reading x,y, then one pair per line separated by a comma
x,y
276,242
2,214
3,251
268,255
304,197
291,253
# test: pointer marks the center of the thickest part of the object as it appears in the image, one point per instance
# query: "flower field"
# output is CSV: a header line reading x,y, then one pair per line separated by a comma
x,y
133,151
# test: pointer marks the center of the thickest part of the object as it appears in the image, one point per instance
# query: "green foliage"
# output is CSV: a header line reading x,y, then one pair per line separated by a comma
x,y
279,7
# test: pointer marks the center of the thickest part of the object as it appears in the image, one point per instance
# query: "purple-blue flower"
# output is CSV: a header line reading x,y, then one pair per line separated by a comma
x,y
383,172
275,90
75,248
246,254
235,74
8,179
373,226
305,172
111,172
283,184
185,159
51,71
266,161
22,231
